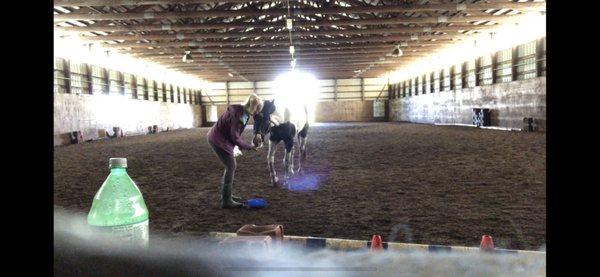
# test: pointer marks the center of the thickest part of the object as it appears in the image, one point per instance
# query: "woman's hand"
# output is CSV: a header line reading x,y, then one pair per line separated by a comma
x,y
236,151
257,141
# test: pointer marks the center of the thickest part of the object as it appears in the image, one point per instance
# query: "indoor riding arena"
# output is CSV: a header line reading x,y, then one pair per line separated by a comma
x,y
416,135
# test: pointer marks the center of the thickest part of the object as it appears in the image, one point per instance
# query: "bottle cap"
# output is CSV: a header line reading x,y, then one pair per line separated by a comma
x,y
117,162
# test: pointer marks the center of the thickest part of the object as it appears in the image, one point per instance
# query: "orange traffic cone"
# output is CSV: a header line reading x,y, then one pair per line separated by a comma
x,y
487,244
376,244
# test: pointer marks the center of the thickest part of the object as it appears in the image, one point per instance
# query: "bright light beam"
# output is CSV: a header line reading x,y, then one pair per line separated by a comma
x,y
296,87
525,28
79,51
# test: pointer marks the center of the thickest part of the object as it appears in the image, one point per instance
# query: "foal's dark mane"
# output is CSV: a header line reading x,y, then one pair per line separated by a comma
x,y
262,120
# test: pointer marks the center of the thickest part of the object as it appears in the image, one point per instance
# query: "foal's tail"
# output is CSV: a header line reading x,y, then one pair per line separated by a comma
x,y
304,130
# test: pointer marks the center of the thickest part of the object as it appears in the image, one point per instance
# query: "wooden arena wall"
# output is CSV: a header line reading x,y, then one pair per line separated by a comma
x,y
95,114
338,100
510,82
92,99
509,103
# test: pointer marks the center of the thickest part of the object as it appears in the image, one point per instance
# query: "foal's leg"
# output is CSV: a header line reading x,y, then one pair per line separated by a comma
x,y
302,143
287,160
302,154
271,161
292,171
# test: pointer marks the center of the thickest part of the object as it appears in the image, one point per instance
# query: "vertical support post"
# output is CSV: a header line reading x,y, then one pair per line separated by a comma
x,y
452,77
335,88
417,85
400,89
431,82
441,79
362,89
514,61
539,56
403,89
121,80
465,75
67,71
477,72
154,89
134,91
146,93
106,80
227,91
89,78
156,96
494,67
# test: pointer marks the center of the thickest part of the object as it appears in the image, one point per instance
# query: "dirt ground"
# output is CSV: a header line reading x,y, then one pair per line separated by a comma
x,y
407,182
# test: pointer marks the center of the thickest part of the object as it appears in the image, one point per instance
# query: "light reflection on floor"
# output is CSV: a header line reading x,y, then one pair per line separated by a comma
x,y
307,182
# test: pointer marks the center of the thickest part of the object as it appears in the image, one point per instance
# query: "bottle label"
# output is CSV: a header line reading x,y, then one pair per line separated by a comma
x,y
136,234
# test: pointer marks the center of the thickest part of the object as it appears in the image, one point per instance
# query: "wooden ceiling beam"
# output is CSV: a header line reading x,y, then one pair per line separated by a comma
x,y
305,41
520,6
266,64
113,3
246,25
249,65
300,55
243,51
295,34
245,68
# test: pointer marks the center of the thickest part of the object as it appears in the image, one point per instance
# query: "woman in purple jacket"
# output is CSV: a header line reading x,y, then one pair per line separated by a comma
x,y
225,135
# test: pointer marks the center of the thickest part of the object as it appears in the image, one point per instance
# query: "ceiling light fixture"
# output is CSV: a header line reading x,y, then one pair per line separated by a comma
x,y
187,57
289,27
397,52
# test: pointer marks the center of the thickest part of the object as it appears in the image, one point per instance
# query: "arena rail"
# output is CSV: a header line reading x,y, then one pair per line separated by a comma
x,y
349,244
481,127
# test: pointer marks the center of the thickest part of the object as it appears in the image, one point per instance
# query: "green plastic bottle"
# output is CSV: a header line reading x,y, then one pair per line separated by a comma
x,y
119,208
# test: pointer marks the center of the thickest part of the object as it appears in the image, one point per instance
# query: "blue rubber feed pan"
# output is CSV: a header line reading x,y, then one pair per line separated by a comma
x,y
256,203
